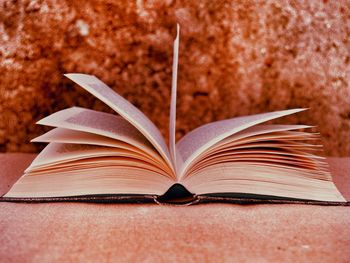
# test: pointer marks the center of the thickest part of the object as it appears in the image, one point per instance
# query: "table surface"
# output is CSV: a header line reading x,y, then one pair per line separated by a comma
x,y
77,232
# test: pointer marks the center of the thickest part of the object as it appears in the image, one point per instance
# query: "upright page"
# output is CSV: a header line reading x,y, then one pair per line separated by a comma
x,y
172,119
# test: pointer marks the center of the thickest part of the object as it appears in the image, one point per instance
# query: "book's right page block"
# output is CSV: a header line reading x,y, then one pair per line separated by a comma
x,y
202,138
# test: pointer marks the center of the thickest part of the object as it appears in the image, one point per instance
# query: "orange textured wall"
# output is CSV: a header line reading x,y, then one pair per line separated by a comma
x,y
236,58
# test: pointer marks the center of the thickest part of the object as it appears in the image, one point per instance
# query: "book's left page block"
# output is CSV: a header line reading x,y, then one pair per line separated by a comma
x,y
123,107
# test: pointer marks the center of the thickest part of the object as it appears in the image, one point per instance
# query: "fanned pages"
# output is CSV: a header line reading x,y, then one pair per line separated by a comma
x,y
96,156
132,114
202,138
100,123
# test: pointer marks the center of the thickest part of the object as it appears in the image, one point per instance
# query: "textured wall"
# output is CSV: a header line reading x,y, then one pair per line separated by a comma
x,y
236,58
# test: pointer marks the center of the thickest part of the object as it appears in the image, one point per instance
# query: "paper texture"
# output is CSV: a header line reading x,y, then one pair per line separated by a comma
x,y
202,138
100,123
88,182
263,129
263,179
172,119
55,153
123,107
63,135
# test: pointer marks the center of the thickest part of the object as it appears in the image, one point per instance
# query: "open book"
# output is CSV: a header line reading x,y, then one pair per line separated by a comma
x,y
96,156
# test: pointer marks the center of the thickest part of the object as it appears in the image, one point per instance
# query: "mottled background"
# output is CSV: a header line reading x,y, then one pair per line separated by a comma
x,y
236,58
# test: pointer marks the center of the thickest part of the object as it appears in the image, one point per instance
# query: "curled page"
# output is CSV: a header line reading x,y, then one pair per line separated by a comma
x,y
172,119
263,129
58,153
204,137
101,123
123,107
63,135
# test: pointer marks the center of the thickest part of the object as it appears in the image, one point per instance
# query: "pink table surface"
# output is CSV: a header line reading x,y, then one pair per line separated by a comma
x,y
85,232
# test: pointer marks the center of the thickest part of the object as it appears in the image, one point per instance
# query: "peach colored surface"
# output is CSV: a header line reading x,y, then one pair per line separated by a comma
x,y
213,232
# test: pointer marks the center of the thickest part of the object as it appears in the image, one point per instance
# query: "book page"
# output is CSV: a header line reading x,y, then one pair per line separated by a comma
x,y
172,119
62,135
259,130
63,169
100,123
55,153
255,134
123,107
202,138
106,178
263,179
